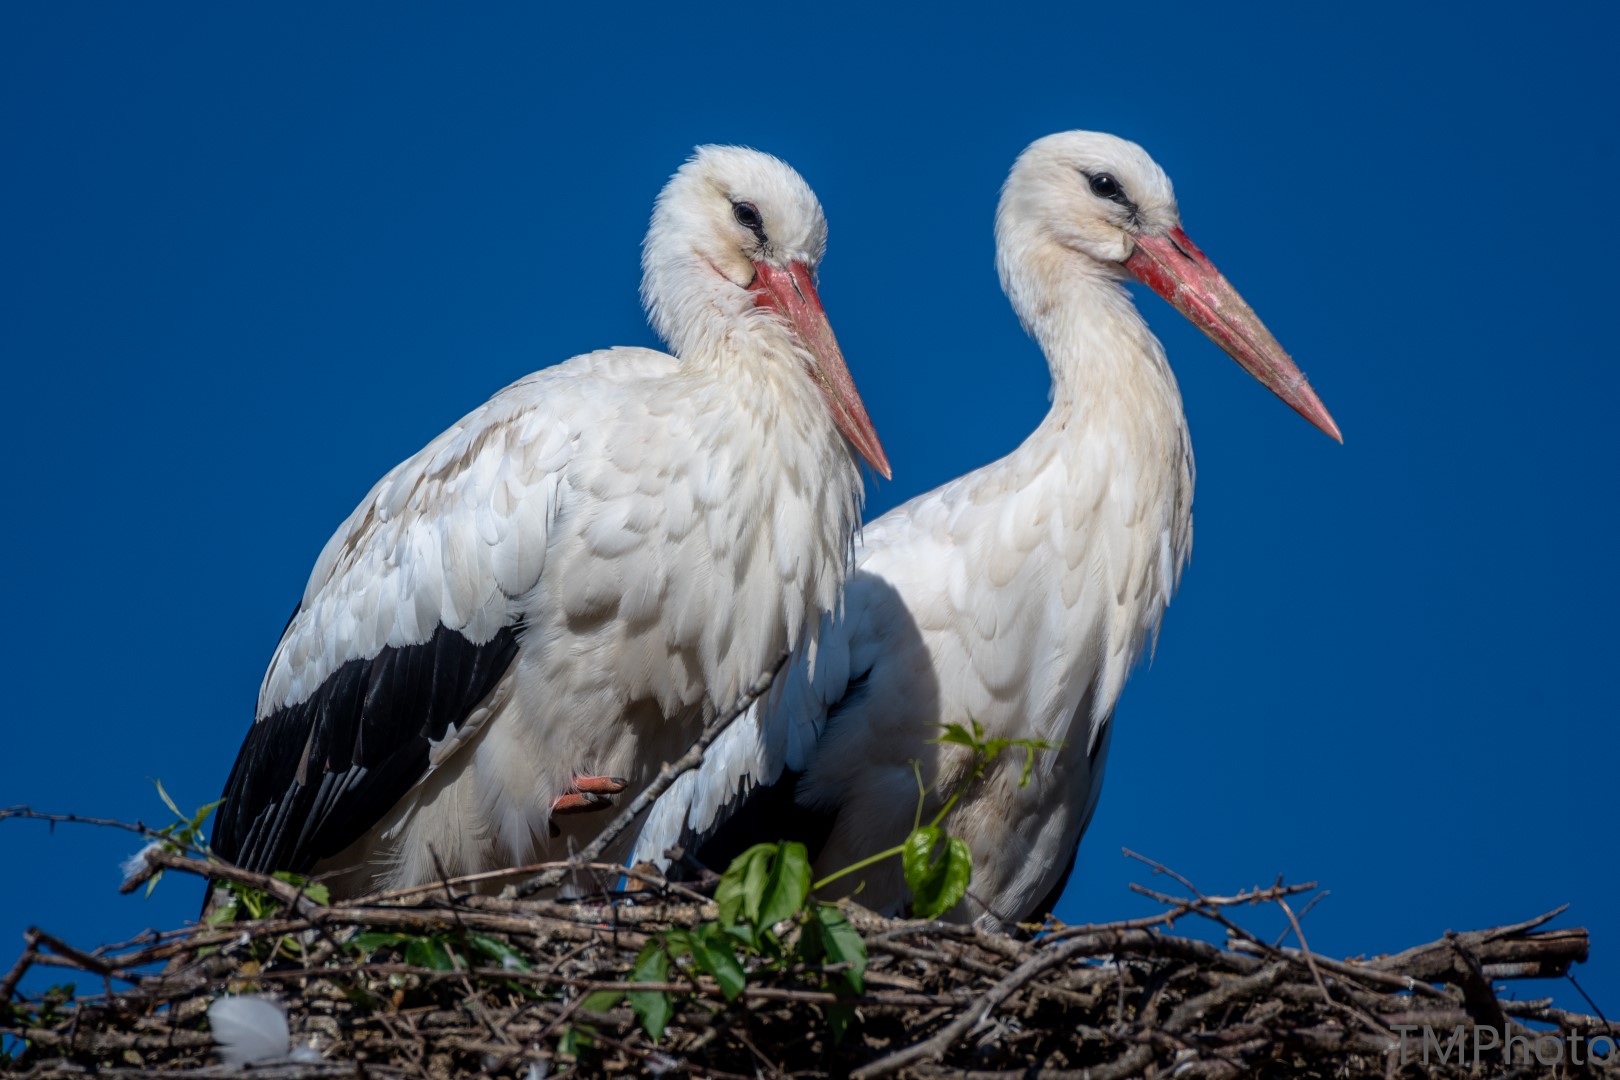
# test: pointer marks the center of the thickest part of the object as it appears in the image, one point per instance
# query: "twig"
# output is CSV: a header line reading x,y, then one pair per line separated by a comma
x,y
24,813
1123,999
1304,911
1316,973
935,1046
658,881
8,985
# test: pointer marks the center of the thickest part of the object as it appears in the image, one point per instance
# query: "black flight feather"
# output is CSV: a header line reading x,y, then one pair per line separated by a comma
x,y
362,739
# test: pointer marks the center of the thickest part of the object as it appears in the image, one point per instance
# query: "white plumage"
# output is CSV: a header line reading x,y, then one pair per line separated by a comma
x,y
1020,595
565,583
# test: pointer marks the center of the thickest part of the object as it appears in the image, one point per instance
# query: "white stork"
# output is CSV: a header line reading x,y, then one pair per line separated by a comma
x,y
1018,596
546,601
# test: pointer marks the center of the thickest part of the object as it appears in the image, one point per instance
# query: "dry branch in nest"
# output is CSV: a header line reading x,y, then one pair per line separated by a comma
x,y
440,982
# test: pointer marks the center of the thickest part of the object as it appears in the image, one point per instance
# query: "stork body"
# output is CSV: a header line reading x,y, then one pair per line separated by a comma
x,y
1019,596
547,601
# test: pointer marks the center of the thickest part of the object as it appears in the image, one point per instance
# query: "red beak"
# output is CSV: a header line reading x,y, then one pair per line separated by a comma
x,y
1172,266
791,293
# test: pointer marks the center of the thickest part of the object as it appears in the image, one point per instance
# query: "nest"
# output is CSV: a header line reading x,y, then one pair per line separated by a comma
x,y
443,981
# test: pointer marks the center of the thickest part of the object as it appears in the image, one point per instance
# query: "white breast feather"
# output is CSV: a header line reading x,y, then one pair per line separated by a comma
x,y
1018,596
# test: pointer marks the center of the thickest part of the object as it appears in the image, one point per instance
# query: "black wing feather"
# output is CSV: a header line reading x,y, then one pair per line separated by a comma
x,y
766,814
769,813
312,778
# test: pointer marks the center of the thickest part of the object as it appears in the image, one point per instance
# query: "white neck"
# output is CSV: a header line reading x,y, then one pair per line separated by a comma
x,y
697,311
1111,461
1109,373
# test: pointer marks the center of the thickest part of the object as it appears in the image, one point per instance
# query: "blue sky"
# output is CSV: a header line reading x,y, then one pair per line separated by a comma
x,y
252,258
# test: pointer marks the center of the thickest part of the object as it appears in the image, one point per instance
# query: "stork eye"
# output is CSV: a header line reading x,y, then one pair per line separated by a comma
x,y
1105,186
747,215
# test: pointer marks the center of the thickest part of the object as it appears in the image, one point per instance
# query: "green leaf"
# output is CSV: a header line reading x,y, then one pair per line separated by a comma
x,y
916,855
938,879
164,795
429,953
260,905
315,891
498,950
192,834
575,1037
372,940
755,871
742,933
742,885
712,952
786,886
652,1007
677,943
203,811
602,1000
842,944
223,914
727,971
652,963
257,904
1030,747
838,1018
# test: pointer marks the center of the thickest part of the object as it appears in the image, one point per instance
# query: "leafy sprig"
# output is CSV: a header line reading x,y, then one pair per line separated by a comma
x,y
938,867
184,833
767,920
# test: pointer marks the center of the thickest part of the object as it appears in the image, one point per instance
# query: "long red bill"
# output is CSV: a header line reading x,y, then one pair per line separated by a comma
x,y
793,294
1172,266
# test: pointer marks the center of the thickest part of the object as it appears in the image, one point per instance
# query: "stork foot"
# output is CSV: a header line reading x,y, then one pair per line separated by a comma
x,y
601,785
579,802
590,793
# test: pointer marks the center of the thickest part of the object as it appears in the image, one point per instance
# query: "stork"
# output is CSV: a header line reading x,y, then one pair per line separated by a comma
x,y
1018,596
549,599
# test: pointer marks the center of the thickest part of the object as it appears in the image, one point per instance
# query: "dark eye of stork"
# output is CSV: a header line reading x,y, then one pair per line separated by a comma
x,y
1105,186
747,215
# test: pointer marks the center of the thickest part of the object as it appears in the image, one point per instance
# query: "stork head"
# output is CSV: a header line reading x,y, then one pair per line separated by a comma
x,y
1091,194
731,255
1097,204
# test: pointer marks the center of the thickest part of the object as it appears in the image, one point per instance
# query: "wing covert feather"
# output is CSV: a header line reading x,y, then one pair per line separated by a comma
x,y
412,617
